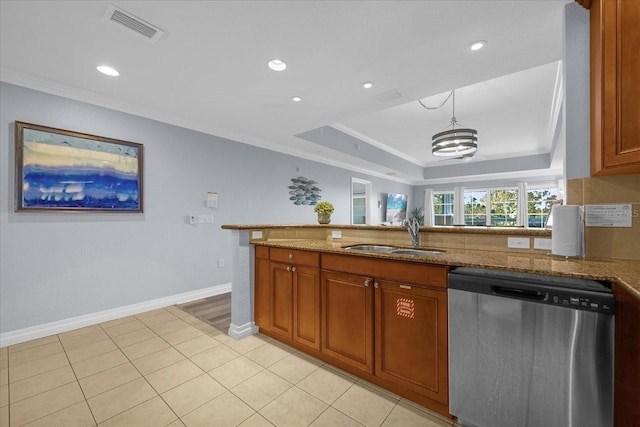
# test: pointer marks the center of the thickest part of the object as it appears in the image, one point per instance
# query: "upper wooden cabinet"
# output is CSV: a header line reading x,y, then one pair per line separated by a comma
x,y
615,86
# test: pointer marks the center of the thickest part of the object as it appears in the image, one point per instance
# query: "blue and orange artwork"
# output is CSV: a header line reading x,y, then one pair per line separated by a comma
x,y
66,172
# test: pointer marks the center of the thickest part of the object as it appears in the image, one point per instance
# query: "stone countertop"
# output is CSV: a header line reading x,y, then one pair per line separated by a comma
x,y
622,272
512,231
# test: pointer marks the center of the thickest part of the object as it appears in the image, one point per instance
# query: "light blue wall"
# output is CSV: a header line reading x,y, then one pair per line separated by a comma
x,y
56,266
577,91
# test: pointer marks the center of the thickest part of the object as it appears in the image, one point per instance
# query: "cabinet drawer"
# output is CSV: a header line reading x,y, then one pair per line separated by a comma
x,y
295,256
262,252
411,272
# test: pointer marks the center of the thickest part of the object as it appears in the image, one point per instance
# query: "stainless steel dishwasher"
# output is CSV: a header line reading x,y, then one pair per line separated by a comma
x,y
529,350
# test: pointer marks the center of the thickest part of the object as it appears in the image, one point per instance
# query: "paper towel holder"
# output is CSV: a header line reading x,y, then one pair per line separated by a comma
x,y
580,233
549,221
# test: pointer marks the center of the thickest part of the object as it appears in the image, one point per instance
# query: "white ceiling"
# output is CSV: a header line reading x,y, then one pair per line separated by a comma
x,y
209,73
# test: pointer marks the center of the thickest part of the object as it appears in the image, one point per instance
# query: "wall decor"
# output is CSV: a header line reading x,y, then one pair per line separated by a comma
x,y
396,207
304,191
61,170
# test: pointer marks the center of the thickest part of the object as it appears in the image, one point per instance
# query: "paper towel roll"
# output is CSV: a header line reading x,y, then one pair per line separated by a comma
x,y
567,233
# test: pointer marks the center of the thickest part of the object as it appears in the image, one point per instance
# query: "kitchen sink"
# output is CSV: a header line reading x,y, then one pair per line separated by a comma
x,y
415,252
372,248
392,250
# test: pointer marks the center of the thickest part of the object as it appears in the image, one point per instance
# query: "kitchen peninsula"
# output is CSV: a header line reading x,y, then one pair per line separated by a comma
x,y
320,254
484,247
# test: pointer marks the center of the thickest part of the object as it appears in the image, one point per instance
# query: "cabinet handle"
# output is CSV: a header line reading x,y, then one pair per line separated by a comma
x,y
290,256
376,285
293,269
366,283
288,268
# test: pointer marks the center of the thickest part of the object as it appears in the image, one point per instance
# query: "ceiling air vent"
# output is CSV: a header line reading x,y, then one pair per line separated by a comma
x,y
389,96
151,32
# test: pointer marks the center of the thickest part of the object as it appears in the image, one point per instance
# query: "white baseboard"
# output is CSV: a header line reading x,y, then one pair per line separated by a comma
x,y
57,327
239,332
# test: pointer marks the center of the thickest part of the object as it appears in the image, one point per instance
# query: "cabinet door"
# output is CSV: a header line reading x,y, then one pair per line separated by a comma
x,y
281,299
347,319
306,306
615,87
261,289
411,338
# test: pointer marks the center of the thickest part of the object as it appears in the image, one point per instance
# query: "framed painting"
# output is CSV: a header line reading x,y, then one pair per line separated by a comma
x,y
60,170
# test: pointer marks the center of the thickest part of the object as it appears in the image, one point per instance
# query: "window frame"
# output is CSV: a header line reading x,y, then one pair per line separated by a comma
x,y
489,221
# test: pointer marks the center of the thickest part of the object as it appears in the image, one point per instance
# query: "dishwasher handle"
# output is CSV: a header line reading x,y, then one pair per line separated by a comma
x,y
527,294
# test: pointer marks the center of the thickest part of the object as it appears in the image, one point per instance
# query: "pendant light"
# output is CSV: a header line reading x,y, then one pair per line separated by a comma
x,y
455,142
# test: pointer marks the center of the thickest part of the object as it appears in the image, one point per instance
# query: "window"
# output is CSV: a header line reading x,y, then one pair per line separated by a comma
x,y
475,208
496,207
443,208
539,201
504,208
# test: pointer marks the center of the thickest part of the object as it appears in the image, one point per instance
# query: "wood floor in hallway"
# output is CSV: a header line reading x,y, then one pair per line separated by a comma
x,y
215,310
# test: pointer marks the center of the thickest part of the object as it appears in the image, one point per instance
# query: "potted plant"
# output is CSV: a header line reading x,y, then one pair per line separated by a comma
x,y
417,214
324,211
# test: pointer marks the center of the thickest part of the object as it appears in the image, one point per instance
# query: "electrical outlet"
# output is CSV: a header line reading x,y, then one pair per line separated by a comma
x,y
192,219
518,242
336,234
540,243
256,234
221,263
205,219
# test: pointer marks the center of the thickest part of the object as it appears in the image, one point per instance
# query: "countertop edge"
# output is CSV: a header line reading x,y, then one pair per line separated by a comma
x,y
594,269
436,229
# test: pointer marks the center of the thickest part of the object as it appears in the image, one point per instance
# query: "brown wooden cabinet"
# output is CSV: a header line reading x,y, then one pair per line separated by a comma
x,y
287,301
261,298
347,319
615,86
281,299
627,359
306,306
381,319
411,343
405,304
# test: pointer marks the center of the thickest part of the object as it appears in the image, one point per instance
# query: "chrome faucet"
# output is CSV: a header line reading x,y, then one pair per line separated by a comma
x,y
413,227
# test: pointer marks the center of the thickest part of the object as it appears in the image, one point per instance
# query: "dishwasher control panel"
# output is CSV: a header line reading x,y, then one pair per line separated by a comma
x,y
571,293
588,303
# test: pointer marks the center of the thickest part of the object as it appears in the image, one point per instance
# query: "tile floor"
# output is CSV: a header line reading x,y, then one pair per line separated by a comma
x,y
168,368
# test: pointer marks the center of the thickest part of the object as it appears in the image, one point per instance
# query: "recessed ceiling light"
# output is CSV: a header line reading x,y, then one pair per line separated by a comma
x,y
277,65
477,45
367,85
109,71
296,99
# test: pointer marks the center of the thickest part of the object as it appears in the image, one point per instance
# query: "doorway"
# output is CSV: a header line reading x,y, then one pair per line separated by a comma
x,y
360,196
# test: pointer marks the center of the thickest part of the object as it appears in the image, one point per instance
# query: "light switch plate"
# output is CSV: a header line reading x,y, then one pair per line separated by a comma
x,y
518,242
256,234
205,219
336,234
